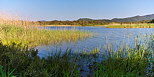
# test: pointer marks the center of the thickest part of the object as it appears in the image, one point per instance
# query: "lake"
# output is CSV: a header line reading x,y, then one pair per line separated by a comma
x,y
114,37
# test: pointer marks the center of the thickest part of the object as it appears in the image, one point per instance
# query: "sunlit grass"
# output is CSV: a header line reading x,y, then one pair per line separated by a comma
x,y
127,62
130,26
19,60
16,61
33,36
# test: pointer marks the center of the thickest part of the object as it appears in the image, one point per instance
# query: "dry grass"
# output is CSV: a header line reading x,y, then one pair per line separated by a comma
x,y
26,32
144,25
34,36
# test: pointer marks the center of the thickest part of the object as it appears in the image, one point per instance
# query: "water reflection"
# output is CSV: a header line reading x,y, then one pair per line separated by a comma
x,y
103,37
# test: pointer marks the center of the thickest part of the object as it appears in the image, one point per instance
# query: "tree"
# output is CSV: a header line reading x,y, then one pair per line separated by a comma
x,y
152,21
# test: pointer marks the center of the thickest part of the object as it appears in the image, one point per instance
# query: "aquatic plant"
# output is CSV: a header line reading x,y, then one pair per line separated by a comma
x,y
4,73
130,26
125,62
33,36
24,62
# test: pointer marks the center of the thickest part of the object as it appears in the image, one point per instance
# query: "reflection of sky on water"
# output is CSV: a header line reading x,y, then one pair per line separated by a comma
x,y
103,36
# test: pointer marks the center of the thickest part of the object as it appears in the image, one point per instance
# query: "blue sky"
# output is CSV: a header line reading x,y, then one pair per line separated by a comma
x,y
74,9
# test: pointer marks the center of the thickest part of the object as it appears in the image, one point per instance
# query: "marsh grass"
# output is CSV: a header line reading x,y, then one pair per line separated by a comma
x,y
33,36
25,63
130,26
127,62
15,30
124,63
4,73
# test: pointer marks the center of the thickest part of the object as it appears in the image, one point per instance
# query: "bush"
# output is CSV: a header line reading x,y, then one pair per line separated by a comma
x,y
152,21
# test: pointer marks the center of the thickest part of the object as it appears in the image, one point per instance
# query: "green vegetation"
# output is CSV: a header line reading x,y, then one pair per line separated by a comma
x,y
127,62
33,36
75,23
152,21
18,60
107,24
130,26
24,62
132,63
4,73
91,22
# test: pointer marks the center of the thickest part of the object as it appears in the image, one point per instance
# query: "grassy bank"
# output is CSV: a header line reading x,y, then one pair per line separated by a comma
x,y
23,62
17,60
130,26
117,25
33,36
130,63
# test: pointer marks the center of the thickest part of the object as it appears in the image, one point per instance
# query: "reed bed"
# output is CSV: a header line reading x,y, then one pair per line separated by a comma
x,y
17,60
136,61
15,30
33,36
124,63
130,26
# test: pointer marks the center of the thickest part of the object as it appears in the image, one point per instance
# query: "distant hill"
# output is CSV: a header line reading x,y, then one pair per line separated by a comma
x,y
88,19
85,19
135,18
91,22
129,19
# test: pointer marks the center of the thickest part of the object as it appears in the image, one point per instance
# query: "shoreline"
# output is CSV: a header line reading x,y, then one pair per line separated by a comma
x,y
109,26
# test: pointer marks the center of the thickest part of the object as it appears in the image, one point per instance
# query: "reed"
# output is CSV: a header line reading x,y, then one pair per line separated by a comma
x,y
15,30
130,26
24,62
33,36
127,62
4,73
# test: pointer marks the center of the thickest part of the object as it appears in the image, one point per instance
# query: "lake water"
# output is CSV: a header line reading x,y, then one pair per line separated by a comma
x,y
116,37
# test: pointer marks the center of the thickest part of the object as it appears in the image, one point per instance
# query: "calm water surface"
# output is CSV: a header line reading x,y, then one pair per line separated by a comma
x,y
117,37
